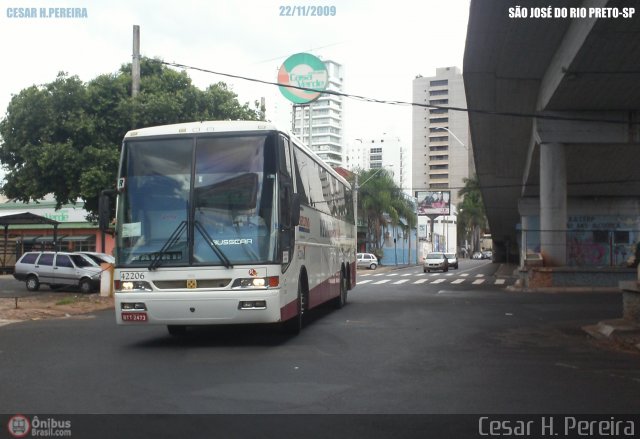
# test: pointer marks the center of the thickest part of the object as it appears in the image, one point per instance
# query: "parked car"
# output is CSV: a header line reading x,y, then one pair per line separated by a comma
x,y
477,255
435,261
99,258
367,260
56,269
452,258
487,254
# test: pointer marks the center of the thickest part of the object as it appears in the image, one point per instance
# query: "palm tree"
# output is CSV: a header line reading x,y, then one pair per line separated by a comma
x,y
472,220
382,203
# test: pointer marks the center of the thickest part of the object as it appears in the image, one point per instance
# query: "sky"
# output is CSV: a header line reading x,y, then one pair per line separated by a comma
x,y
383,46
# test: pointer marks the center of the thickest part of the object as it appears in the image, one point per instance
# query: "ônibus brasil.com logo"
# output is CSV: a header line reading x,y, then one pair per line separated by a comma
x,y
19,426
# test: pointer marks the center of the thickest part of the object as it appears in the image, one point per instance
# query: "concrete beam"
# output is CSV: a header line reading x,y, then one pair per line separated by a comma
x,y
589,127
567,51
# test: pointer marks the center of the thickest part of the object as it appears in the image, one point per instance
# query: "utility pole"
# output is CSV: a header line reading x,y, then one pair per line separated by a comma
x,y
135,65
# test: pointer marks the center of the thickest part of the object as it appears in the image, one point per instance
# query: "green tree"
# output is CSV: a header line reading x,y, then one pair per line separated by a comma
x,y
63,138
382,203
472,220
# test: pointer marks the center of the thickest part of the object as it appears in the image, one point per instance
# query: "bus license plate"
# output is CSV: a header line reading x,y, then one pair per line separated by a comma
x,y
134,316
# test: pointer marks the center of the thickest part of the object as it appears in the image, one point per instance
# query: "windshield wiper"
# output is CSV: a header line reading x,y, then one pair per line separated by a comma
x,y
225,261
173,239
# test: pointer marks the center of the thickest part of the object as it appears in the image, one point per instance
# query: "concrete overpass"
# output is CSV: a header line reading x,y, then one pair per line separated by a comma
x,y
573,170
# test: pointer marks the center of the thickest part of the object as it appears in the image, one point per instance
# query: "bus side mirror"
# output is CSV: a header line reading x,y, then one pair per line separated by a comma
x,y
104,209
295,210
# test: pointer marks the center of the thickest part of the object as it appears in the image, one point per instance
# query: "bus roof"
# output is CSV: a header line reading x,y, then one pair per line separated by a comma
x,y
217,126
221,126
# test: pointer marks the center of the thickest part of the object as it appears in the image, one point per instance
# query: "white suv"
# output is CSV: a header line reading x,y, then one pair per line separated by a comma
x,y
367,260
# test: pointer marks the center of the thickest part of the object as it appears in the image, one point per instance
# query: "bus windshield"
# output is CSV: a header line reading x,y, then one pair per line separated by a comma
x,y
197,201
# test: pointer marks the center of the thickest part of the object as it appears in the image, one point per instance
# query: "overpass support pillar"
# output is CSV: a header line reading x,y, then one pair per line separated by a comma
x,y
553,204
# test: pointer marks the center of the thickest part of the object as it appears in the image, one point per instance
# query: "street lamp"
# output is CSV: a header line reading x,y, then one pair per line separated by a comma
x,y
454,136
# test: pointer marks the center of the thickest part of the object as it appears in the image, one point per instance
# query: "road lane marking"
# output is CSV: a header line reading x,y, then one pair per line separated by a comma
x,y
401,281
458,281
383,281
438,281
500,281
480,275
364,281
464,274
478,281
420,281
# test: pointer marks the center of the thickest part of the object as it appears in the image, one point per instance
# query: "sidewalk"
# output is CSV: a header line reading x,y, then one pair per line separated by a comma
x,y
621,332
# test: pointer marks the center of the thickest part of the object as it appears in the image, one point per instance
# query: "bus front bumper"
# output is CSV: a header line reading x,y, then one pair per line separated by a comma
x,y
198,308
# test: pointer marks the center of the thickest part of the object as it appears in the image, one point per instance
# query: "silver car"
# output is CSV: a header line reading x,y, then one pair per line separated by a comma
x,y
435,261
56,269
367,260
452,258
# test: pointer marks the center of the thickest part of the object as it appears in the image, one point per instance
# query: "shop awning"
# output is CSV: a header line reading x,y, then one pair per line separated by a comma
x,y
78,238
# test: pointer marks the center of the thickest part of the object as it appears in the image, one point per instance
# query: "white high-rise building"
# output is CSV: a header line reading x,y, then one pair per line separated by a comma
x,y
442,155
326,121
441,147
386,151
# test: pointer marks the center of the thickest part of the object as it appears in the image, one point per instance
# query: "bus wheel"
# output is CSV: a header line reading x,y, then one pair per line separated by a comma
x,y
177,330
293,326
341,300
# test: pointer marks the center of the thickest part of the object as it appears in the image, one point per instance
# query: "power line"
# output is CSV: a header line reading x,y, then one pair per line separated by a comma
x,y
403,103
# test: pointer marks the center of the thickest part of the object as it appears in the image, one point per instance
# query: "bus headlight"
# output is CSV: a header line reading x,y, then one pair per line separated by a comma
x,y
257,282
135,285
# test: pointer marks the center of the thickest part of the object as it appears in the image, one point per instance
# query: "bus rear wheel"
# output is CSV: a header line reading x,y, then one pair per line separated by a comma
x,y
341,300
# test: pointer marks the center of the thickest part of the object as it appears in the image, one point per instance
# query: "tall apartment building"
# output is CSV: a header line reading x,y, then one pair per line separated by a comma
x,y
442,151
326,135
386,151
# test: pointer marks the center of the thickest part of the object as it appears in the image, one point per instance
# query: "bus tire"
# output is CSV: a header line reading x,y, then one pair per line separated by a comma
x,y
177,330
294,325
341,300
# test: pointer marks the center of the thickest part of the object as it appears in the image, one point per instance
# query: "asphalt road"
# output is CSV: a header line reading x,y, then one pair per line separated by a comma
x,y
403,346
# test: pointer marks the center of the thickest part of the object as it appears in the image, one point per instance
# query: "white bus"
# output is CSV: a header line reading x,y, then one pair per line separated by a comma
x,y
228,223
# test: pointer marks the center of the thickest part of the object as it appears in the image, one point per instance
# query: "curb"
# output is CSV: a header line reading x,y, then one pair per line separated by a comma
x,y
620,331
564,290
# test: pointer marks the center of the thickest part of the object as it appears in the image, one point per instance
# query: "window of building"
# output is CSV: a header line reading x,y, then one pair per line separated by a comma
x,y
438,186
438,111
439,148
438,167
439,120
375,157
376,165
438,92
438,176
439,101
439,139
438,82
375,150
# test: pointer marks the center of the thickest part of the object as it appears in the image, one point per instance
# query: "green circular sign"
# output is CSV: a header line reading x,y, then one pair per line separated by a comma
x,y
303,70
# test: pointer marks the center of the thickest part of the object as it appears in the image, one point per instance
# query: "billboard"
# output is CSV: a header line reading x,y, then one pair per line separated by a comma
x,y
434,202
